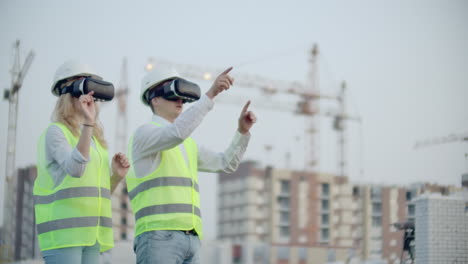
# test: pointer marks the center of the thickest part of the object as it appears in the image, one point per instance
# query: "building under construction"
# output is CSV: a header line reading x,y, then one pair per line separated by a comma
x,y
281,216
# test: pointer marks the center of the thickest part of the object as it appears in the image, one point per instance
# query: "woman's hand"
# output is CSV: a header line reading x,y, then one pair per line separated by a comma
x,y
88,108
120,166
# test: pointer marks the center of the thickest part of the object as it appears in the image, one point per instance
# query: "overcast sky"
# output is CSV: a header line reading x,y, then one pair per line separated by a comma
x,y
405,63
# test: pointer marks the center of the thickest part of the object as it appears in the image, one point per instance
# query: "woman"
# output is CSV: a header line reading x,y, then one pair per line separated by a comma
x,y
73,188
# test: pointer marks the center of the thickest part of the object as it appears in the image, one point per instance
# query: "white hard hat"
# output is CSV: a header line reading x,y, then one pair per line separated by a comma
x,y
71,68
155,77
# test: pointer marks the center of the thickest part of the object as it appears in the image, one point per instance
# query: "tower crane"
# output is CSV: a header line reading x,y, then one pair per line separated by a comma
x,y
122,119
339,125
436,141
441,140
18,73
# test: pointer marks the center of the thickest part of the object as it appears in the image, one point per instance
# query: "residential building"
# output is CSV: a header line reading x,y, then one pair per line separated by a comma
x,y
441,234
282,216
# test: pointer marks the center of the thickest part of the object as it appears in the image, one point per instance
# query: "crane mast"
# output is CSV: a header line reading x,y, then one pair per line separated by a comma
x,y
18,73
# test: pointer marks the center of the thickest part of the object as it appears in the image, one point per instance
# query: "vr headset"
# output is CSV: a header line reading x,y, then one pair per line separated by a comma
x,y
103,91
175,90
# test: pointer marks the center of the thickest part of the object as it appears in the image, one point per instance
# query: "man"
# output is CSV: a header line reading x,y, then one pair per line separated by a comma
x,y
162,181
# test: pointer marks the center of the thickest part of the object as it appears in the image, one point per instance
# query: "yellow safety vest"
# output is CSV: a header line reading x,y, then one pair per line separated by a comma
x,y
167,198
78,211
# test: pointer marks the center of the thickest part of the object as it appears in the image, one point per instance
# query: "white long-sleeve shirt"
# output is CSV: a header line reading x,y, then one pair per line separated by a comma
x,y
149,140
61,158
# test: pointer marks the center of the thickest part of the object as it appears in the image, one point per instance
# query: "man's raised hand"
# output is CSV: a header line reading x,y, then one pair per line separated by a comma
x,y
246,119
222,82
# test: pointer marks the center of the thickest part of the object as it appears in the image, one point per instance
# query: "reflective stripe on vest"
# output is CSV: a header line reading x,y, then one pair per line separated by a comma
x,y
167,209
74,222
72,193
161,181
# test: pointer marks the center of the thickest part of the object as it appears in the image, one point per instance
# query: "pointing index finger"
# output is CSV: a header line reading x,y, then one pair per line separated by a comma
x,y
246,106
227,70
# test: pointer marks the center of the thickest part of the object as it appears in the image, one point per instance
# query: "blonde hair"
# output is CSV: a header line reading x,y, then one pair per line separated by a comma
x,y
66,113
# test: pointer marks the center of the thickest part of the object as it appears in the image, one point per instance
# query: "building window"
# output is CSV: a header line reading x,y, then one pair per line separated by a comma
x,y
325,205
284,218
324,235
376,193
325,190
123,205
325,219
377,208
236,254
123,220
284,231
355,191
283,203
123,236
376,221
409,196
411,210
285,187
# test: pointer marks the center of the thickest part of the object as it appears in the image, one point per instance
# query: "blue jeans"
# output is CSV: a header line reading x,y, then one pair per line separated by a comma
x,y
72,255
167,247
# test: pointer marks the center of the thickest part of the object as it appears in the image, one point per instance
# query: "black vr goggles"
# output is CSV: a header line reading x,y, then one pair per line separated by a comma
x,y
176,89
103,91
